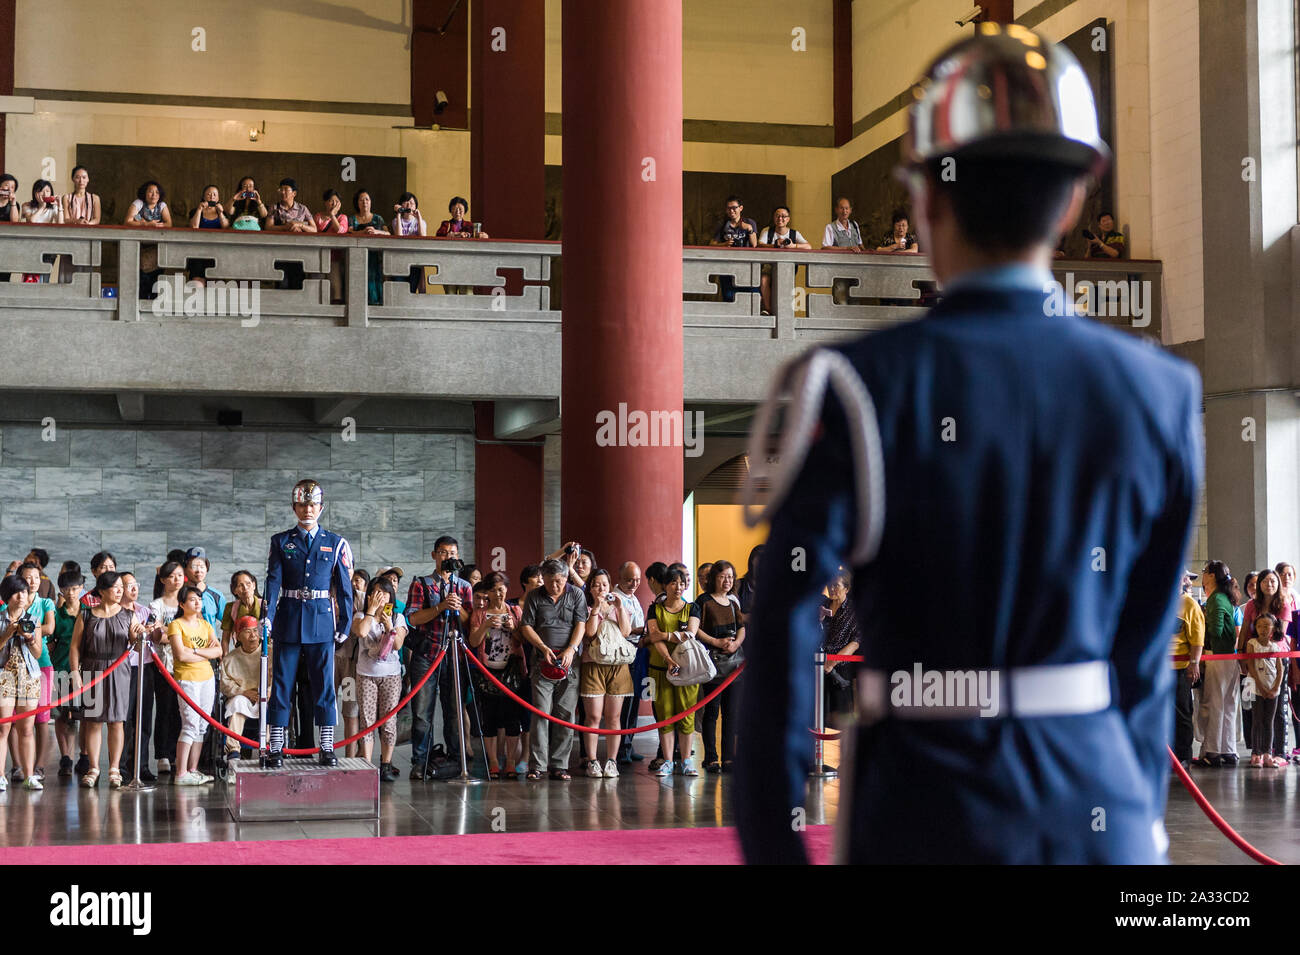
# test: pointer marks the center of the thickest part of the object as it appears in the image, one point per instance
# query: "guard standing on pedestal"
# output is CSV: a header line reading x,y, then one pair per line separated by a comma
x,y
309,608
1013,489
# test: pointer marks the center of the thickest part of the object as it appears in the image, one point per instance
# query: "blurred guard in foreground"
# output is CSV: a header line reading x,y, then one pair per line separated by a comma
x,y
1037,473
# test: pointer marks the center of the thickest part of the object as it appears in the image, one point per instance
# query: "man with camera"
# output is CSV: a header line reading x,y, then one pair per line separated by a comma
x,y
552,621
1110,244
437,609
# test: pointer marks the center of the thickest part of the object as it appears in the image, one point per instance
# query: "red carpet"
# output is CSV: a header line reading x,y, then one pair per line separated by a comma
x,y
586,847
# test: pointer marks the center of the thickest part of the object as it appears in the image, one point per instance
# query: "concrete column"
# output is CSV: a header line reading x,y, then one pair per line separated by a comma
x,y
622,259
1252,309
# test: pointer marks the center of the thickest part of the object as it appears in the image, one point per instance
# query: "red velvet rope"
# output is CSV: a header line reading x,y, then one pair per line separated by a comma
x,y
1215,818
604,732
49,706
296,752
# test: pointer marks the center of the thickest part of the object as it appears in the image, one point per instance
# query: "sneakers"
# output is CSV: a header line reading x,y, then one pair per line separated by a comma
x,y
656,763
65,766
688,768
16,774
190,779
39,773
4,782
665,768
164,766
611,770
593,769
83,765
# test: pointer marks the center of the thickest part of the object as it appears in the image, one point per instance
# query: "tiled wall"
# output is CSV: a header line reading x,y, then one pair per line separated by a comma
x,y
140,493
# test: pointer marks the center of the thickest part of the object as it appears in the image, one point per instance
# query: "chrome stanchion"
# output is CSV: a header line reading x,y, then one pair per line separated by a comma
x,y
135,785
819,770
464,778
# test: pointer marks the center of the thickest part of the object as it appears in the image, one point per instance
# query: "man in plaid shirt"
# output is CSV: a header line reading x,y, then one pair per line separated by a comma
x,y
427,603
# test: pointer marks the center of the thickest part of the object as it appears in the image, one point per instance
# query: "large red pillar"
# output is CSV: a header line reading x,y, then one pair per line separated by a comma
x,y
508,500
508,195
508,118
622,259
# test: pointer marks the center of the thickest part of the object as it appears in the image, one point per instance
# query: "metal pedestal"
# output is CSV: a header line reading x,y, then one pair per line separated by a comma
x,y
303,789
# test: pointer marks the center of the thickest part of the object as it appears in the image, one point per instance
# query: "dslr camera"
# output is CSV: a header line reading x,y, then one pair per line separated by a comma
x,y
453,565
27,625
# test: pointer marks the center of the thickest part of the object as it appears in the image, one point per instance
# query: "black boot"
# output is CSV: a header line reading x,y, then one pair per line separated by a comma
x,y
327,758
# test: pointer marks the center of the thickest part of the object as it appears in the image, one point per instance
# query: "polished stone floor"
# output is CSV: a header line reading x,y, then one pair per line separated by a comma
x,y
1264,806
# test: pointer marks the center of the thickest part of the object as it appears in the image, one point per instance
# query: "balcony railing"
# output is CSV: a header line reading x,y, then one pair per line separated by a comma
x,y
815,294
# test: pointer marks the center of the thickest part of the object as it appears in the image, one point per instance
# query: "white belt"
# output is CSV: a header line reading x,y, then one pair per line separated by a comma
x,y
1068,689
305,594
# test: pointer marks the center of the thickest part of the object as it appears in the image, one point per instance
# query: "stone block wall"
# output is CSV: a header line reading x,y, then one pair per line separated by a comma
x,y
141,492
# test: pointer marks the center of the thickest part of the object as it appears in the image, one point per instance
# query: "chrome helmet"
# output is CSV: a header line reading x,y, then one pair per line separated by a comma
x,y
1006,93
308,492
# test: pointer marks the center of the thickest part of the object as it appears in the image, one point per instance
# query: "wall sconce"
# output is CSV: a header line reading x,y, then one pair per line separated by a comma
x,y
254,134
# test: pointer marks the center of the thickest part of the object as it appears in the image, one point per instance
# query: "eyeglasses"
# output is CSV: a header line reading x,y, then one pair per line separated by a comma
x,y
733,208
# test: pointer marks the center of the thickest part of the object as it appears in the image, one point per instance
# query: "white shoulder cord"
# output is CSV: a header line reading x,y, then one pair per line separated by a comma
x,y
806,379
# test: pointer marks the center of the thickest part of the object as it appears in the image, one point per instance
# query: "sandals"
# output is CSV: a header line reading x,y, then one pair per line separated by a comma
x,y
494,774
91,779
561,775
510,774
115,778
535,774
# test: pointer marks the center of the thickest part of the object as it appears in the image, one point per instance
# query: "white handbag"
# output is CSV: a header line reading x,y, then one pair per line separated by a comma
x,y
610,647
695,665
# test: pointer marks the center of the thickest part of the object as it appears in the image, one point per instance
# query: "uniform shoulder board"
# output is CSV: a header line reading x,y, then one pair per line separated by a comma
x,y
802,383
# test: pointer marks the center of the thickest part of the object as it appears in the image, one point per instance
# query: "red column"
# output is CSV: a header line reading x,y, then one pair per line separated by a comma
x,y
508,195
998,11
508,500
439,61
7,35
842,70
508,118
622,259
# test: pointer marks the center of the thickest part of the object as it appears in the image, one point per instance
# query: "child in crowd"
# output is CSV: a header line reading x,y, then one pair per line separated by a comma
x,y
66,607
1267,672
194,646
240,670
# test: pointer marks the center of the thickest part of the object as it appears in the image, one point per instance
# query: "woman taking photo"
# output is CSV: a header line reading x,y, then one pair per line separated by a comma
x,y
494,636
717,621
380,632
1219,693
247,211
606,681
20,682
101,635
666,627
208,214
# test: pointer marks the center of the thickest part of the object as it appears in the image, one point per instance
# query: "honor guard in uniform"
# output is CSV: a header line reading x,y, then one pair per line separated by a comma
x,y
309,609
1012,490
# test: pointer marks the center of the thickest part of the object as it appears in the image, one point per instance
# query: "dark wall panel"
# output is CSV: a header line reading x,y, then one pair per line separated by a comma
x,y
704,194
116,172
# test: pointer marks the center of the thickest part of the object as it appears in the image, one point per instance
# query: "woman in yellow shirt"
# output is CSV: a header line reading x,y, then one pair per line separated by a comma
x,y
194,647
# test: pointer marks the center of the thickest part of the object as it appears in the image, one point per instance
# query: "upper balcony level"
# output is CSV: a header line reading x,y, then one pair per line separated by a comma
x,y
485,324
